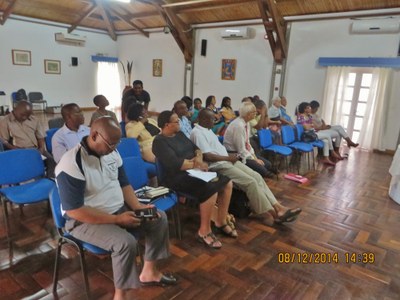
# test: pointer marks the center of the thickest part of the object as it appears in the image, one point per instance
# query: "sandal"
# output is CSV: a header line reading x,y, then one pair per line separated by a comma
x,y
225,231
213,244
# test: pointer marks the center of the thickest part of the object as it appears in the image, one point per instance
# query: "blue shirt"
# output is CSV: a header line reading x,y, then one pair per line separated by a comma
x,y
186,126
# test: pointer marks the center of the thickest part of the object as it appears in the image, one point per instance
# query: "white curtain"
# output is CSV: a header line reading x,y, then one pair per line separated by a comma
x,y
372,132
108,83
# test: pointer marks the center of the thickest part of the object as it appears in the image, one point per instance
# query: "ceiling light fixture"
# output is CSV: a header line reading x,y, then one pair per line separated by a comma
x,y
125,1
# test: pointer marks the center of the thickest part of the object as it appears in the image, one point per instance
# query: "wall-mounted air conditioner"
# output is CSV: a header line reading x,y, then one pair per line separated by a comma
x,y
236,33
70,39
370,26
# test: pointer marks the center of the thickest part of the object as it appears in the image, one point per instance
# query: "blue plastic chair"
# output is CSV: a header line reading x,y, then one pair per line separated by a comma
x,y
265,141
22,181
122,124
129,147
288,139
64,237
49,136
137,176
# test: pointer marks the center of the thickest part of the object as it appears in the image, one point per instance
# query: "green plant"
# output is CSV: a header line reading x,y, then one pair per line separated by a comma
x,y
127,71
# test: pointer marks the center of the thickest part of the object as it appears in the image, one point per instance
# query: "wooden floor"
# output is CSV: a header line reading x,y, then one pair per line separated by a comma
x,y
346,209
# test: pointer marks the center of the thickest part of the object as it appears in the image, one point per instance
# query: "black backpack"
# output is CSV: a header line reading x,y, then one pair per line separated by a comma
x,y
239,206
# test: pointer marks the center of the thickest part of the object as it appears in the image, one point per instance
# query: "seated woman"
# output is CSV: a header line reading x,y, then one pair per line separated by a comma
x,y
176,154
304,118
319,124
219,123
226,110
236,140
143,129
197,106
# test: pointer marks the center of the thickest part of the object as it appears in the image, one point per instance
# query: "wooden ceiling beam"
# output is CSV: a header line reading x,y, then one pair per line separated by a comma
x,y
184,32
7,12
186,10
193,2
87,13
267,25
106,18
279,24
129,22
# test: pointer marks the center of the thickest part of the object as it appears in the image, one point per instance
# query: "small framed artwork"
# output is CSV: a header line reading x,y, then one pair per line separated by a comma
x,y
52,66
21,57
228,69
157,67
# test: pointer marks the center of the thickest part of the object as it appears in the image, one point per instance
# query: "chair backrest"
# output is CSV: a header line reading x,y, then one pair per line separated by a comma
x,y
55,204
14,96
287,133
49,136
129,147
300,130
56,123
20,165
136,172
264,138
35,96
122,124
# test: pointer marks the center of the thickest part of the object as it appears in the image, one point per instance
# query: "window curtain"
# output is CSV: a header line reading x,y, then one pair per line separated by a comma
x,y
108,83
371,135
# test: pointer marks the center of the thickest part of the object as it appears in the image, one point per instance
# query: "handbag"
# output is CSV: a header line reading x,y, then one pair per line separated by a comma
x,y
309,136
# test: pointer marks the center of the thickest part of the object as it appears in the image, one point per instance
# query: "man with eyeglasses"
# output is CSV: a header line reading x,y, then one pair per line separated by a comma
x,y
71,133
99,205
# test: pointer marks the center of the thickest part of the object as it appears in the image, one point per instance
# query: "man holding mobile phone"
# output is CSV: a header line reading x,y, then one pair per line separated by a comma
x,y
100,207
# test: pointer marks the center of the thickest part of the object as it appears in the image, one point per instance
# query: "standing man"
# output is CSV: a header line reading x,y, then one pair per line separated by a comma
x,y
100,203
135,95
20,129
71,133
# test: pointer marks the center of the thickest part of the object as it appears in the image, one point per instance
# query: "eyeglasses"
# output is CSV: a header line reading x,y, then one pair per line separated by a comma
x,y
176,122
110,146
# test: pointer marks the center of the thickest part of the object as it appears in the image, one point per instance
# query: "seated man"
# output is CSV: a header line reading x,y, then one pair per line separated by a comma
x,y
180,108
99,204
236,140
20,129
71,133
262,201
285,118
176,154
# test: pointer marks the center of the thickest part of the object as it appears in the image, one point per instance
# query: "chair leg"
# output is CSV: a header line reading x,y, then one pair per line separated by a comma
x,y
84,271
178,229
7,223
56,265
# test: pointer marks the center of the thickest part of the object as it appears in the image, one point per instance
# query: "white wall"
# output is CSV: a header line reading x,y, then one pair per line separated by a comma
x,y
74,84
253,70
168,88
331,38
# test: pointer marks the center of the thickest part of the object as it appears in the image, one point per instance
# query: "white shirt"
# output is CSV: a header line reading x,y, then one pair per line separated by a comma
x,y
65,139
236,137
274,112
208,142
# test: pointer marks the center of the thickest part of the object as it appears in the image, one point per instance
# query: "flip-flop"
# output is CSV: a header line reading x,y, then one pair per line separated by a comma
x,y
288,215
164,280
288,220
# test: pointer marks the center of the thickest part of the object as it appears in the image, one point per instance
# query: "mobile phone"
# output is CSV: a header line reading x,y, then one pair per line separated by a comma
x,y
146,213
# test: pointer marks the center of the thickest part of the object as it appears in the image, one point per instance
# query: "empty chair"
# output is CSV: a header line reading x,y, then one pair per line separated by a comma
x,y
37,98
130,147
56,123
49,136
265,140
137,176
288,139
22,171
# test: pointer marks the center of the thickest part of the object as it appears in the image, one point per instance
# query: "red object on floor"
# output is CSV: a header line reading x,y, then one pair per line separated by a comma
x,y
297,178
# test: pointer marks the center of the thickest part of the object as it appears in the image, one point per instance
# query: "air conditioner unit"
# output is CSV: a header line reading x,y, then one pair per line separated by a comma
x,y
236,33
375,26
70,39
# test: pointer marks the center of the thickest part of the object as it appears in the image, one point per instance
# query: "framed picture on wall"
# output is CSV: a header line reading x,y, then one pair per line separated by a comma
x,y
157,67
228,69
52,66
21,57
